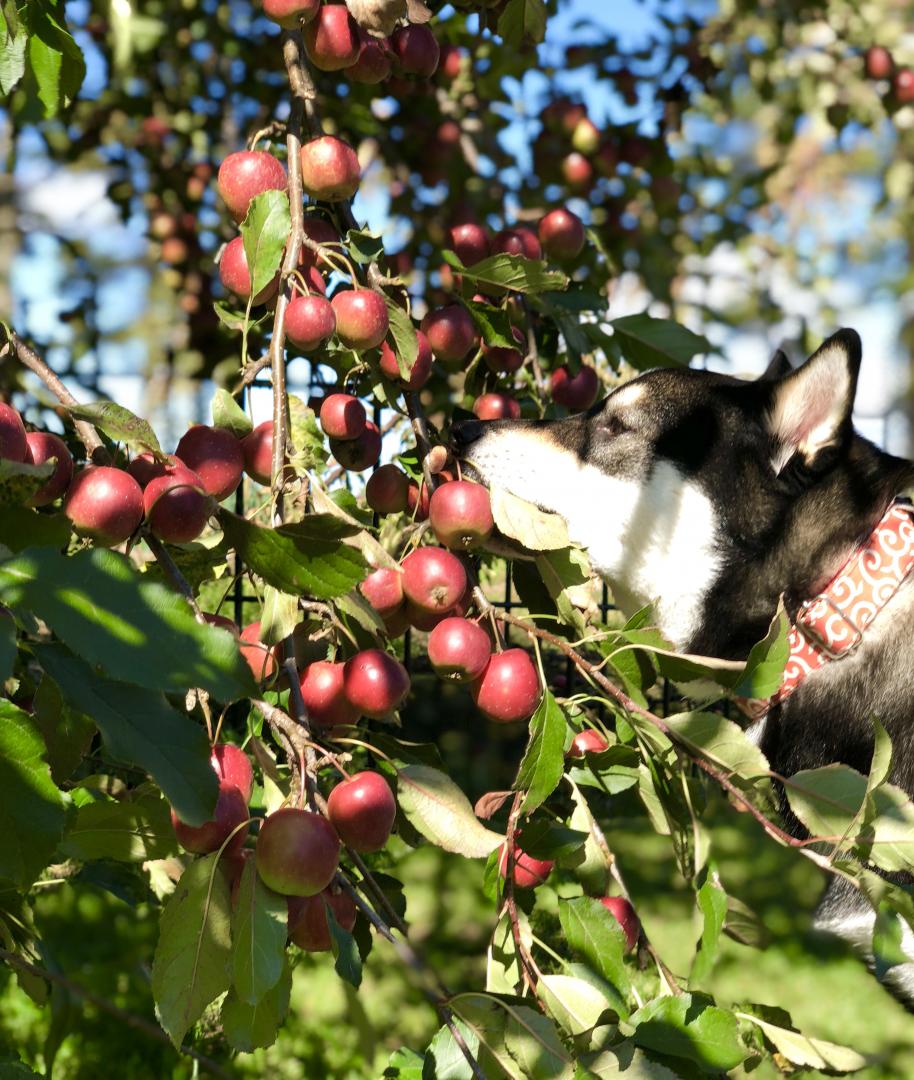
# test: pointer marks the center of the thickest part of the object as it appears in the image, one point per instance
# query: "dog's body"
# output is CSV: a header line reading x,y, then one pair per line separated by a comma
x,y
711,498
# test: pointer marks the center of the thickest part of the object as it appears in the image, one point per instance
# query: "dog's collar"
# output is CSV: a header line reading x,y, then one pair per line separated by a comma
x,y
832,624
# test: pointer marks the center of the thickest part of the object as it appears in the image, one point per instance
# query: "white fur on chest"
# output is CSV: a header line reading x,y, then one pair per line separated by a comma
x,y
653,540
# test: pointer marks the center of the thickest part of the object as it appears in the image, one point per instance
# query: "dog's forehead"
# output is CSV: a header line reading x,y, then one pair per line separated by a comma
x,y
665,392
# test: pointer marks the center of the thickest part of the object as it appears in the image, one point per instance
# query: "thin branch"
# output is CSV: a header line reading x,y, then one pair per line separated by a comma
x,y
524,960
170,567
139,1023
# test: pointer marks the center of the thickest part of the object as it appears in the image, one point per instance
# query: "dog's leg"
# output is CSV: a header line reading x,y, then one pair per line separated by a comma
x,y
844,913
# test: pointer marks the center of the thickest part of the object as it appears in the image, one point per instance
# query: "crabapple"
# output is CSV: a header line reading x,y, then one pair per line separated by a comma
x,y
342,416
386,490
231,811
528,872
575,392
329,168
236,277
561,234
362,809
500,358
290,14
879,62
417,500
298,852
383,589
459,649
215,455
257,447
470,242
310,321
451,332
496,407
13,443
903,85
373,64
177,506
375,683
105,504
357,455
261,658
332,38
433,579
42,447
588,741
309,927
245,175
460,513
362,321
509,688
323,694
416,50
422,365
233,766
518,241
624,914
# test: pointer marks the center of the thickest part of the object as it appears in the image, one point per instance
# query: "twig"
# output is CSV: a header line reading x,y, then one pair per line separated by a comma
x,y
532,348
139,1023
170,567
420,430
524,960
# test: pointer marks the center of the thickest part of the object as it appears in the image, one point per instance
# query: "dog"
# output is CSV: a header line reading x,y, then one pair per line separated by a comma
x,y
714,499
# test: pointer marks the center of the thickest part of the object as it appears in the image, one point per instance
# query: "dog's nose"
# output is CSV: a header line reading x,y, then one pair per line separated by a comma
x,y
464,433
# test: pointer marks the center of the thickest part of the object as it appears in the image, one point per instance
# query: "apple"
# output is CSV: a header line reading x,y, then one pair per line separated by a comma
x,y
146,466
245,175
235,276
496,407
561,234
563,115
357,455
332,38
373,64
309,927
416,49
459,649
879,63
417,501
233,766
177,506
577,171
451,332
518,240
422,365
588,741
231,811
470,242
397,624
624,914
504,360
386,490
528,872
461,514
105,504
329,168
215,455
362,321
257,447
375,683
342,416
290,14
509,688
13,443
42,446
575,392
586,136
322,690
450,62
903,85
298,852
310,321
383,589
433,579
261,659
362,809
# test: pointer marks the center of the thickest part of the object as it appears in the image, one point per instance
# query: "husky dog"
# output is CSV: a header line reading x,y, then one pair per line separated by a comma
x,y
711,497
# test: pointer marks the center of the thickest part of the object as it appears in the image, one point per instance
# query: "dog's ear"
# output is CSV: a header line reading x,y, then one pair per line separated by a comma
x,y
809,410
778,367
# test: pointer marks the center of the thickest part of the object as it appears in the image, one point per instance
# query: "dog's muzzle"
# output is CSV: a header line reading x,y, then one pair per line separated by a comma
x,y
464,433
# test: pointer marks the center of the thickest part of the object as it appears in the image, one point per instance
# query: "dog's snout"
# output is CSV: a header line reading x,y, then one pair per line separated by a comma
x,y
464,433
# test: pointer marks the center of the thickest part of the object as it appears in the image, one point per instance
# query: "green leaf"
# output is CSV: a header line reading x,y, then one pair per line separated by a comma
x,y
126,627
347,961
563,571
252,1027
118,423
8,646
306,449
265,231
687,1027
625,1060
543,762
279,616
32,809
228,414
593,933
576,1005
66,732
142,729
259,931
712,901
306,558
22,528
435,806
800,1050
767,659
446,1057
191,967
19,481
55,59
406,343
523,23
365,247
721,741
503,973
547,839
536,529
137,829
590,863
514,272
881,763
404,1064
647,342
514,1039
493,324
12,60
888,933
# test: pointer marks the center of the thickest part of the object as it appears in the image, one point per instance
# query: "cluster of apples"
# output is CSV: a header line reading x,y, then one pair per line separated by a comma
x,y
880,64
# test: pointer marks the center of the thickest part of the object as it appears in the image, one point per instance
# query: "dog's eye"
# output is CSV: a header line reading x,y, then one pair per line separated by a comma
x,y
613,426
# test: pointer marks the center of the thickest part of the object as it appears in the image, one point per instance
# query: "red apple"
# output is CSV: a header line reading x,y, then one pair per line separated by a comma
x,y
309,321
290,14
235,276
329,168
496,407
518,240
386,490
374,63
177,507
562,234
879,62
575,392
450,63
433,579
261,659
231,811
215,455
470,242
528,872
342,416
362,809
577,171
509,689
146,466
233,766
421,369
105,504
309,928
383,589
459,649
322,691
624,914
588,741
903,85
245,175
461,514
362,321
416,50
451,332
332,38
375,683
298,853
13,443
417,500
505,360
257,447
43,446
357,455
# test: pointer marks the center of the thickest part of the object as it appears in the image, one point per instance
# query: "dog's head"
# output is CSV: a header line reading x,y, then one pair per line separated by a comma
x,y
681,477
